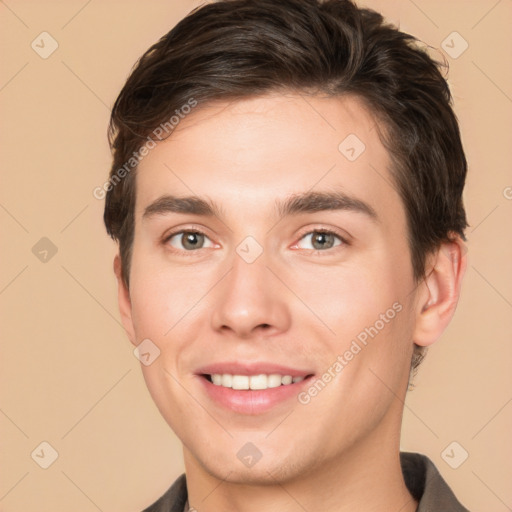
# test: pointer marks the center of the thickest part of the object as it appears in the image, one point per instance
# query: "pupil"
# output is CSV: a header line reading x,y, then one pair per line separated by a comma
x,y
192,240
322,240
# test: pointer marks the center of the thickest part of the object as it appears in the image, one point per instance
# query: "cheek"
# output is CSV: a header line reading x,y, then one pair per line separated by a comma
x,y
349,298
161,297
373,337
150,308
367,307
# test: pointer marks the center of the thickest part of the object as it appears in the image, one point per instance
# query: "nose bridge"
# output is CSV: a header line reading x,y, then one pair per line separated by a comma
x,y
249,297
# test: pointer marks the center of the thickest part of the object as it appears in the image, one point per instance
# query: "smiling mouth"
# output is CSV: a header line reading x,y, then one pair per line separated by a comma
x,y
253,382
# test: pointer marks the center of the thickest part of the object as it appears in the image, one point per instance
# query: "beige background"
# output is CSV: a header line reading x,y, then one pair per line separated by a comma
x,y
68,374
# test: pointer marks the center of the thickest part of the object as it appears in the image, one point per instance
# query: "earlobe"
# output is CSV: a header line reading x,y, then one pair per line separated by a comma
x,y
124,301
439,292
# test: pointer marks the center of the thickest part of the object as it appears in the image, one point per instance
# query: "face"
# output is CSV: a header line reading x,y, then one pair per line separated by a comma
x,y
270,248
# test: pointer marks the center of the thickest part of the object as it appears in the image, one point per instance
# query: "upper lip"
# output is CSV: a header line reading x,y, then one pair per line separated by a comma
x,y
251,368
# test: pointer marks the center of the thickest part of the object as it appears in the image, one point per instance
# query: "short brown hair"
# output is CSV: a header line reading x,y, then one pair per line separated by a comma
x,y
235,49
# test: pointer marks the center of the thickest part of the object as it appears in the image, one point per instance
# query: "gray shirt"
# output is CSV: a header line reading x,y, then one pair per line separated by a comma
x,y
421,477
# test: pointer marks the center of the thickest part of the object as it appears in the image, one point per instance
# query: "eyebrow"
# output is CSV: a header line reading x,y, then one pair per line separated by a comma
x,y
172,204
308,202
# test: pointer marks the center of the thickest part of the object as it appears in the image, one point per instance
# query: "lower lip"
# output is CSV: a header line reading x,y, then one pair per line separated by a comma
x,y
250,401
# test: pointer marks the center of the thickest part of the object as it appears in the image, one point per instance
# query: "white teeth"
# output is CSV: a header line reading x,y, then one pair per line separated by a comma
x,y
274,380
287,379
240,382
258,381
261,381
227,380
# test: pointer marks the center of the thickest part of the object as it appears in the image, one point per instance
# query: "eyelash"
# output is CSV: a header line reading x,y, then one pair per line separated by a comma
x,y
343,240
168,237
326,252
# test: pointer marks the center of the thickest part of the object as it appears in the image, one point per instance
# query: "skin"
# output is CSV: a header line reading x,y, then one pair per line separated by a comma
x,y
293,305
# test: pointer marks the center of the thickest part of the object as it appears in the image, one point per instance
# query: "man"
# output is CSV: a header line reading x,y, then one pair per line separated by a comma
x,y
286,192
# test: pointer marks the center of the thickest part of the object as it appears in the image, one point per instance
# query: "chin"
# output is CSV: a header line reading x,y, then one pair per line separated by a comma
x,y
266,470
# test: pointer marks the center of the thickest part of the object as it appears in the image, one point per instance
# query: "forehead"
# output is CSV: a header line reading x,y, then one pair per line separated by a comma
x,y
248,153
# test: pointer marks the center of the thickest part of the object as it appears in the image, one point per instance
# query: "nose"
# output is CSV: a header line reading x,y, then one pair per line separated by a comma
x,y
250,300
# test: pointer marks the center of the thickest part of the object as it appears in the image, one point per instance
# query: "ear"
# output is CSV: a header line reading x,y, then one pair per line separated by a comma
x,y
439,292
125,304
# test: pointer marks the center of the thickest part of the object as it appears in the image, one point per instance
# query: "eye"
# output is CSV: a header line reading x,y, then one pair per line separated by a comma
x,y
319,240
189,240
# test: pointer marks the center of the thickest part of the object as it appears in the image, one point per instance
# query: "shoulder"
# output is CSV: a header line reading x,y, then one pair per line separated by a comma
x,y
427,485
174,498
